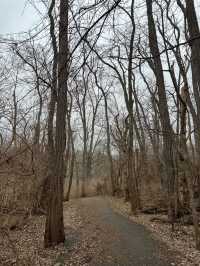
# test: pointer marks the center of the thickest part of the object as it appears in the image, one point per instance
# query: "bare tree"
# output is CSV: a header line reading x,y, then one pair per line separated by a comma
x,y
54,229
167,132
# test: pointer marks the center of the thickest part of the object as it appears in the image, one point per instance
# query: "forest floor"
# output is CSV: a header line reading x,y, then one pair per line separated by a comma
x,y
96,235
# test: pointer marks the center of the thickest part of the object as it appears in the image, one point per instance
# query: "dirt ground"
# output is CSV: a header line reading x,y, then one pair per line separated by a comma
x,y
24,246
95,235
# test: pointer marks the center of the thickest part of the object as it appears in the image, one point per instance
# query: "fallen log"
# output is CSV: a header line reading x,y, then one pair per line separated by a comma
x,y
153,210
185,220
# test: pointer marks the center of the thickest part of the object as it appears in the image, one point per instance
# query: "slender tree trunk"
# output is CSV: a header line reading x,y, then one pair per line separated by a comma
x,y
37,127
131,178
71,172
108,148
71,169
84,165
108,145
14,133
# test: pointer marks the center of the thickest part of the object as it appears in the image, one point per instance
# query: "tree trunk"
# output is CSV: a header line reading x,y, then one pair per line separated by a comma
x,y
14,133
113,185
129,103
113,188
167,132
194,43
71,170
37,127
54,229
187,165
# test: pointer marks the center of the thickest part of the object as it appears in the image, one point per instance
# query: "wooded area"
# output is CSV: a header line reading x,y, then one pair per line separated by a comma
x,y
102,98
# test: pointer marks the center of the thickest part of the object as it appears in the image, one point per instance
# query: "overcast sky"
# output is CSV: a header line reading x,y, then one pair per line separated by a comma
x,y
16,16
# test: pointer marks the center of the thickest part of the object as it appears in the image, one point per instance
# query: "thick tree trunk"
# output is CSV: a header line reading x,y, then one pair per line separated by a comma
x,y
51,113
54,229
167,132
187,166
194,34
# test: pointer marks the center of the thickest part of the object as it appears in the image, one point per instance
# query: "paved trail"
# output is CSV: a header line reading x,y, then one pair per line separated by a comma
x,y
125,243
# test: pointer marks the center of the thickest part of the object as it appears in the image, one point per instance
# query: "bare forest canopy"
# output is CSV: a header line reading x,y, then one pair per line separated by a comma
x,y
102,97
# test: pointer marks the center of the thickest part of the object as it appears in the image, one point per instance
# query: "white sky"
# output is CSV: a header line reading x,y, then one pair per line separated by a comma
x,y
16,16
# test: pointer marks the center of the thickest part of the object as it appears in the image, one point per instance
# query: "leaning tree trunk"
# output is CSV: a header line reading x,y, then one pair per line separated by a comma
x,y
71,171
187,165
51,113
194,33
194,42
167,131
108,148
54,230
72,162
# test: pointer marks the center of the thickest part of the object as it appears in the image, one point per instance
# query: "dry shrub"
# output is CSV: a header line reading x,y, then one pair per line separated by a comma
x,y
21,177
151,191
90,187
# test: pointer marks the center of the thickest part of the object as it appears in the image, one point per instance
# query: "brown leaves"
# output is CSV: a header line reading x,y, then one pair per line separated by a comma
x,y
24,245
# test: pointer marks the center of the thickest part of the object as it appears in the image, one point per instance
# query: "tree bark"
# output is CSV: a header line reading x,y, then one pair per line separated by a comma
x,y
131,178
71,167
167,132
54,229
187,166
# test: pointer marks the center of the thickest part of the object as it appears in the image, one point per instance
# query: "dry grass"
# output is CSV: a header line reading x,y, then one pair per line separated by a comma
x,y
91,188
21,177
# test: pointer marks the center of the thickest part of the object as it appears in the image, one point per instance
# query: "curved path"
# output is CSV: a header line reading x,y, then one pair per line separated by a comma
x,y
124,242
